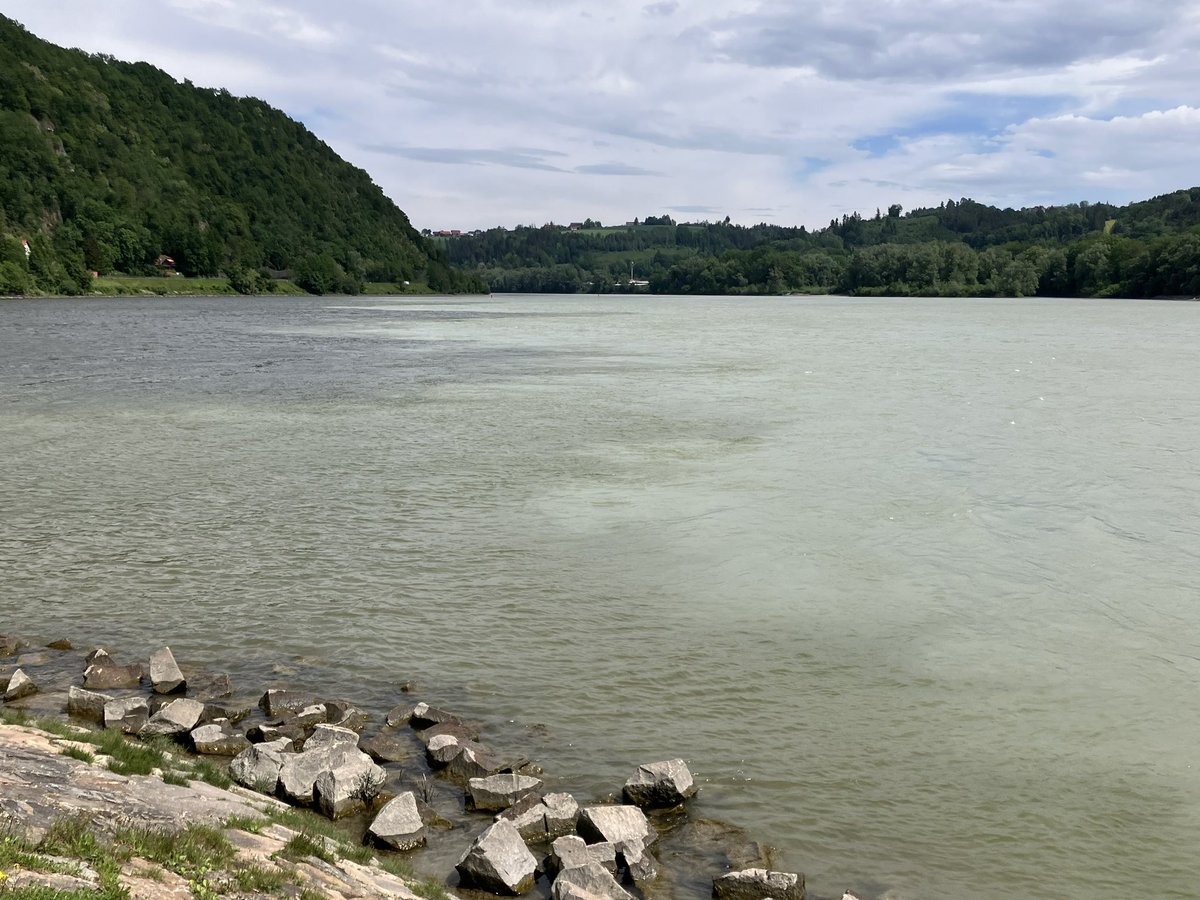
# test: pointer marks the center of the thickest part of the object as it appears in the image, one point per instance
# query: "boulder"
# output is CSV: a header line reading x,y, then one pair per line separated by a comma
x,y
60,644
497,792
636,860
475,761
345,715
389,745
425,716
588,882
19,685
400,715
456,730
258,765
209,686
230,711
498,861
36,658
262,734
86,704
331,736
850,895
666,783
276,701
571,851
218,738
540,819
443,748
175,719
615,824
165,676
399,824
106,675
759,884
126,714
99,654
349,784
309,717
9,645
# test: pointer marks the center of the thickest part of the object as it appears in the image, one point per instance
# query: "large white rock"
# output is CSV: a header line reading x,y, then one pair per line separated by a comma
x,y
349,783
86,704
500,791
258,765
571,851
19,685
165,676
175,718
399,824
586,882
759,884
615,824
498,861
543,818
127,714
665,783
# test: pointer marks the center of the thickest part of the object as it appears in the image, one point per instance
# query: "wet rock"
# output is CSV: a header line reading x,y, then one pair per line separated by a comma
x,y
331,736
425,716
106,675
218,739
9,645
456,730
588,882
389,745
275,701
850,895
165,676
258,766
231,712
759,884
310,716
345,715
666,783
37,658
99,654
475,761
498,861
20,686
637,861
86,704
400,715
399,824
571,851
615,824
209,686
544,818
498,792
175,719
60,644
261,734
126,714
349,784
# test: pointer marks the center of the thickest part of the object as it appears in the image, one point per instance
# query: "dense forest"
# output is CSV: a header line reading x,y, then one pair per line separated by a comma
x,y
109,167
959,248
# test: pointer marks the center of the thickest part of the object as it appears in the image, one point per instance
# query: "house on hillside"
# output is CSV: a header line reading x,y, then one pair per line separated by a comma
x,y
166,265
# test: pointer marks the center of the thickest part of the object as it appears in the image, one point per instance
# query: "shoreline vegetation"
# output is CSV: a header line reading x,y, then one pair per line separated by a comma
x,y
292,784
157,286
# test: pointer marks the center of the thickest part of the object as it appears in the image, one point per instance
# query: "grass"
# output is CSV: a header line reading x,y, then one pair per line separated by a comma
x,y
124,285
79,753
213,773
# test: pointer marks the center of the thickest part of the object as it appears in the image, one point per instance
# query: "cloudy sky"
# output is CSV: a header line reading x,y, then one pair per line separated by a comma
x,y
474,113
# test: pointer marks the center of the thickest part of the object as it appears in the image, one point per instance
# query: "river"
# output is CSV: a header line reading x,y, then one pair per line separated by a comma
x,y
912,584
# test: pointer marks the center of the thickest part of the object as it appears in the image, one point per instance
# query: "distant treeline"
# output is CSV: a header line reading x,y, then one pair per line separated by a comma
x,y
108,166
960,248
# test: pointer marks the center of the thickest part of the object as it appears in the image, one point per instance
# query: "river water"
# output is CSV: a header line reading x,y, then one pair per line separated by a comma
x,y
912,584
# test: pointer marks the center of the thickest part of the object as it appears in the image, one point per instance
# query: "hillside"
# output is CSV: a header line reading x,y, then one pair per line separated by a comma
x,y
107,166
1146,249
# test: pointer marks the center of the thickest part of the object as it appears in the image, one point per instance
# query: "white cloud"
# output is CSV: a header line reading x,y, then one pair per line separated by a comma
x,y
485,112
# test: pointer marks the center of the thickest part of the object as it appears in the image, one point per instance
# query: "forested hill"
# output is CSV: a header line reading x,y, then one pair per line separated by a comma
x,y
959,248
107,166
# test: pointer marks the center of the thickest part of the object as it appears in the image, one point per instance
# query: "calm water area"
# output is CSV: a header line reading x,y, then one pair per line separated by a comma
x,y
912,584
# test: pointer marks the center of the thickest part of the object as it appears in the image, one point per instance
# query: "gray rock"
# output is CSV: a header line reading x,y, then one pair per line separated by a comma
x,y
230,711
9,645
399,824
218,739
36,658
19,685
276,701
126,714
443,748
498,861
389,745
400,715
850,895
615,824
165,676
345,715
539,819
571,851
258,765
86,704
177,718
262,734
209,686
759,884
456,730
637,861
475,761
425,716
60,644
331,736
107,675
349,784
497,792
99,654
666,783
587,882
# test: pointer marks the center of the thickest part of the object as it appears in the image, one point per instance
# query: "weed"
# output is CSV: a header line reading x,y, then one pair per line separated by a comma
x,y
247,824
177,778
305,845
211,772
79,753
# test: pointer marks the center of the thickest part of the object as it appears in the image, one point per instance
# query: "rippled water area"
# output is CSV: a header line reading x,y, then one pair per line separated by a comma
x,y
912,584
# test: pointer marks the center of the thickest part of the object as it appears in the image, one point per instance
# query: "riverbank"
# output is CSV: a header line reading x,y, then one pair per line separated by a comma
x,y
68,765
180,286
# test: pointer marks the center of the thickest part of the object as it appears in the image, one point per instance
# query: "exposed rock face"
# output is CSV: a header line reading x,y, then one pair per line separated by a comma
x,y
165,676
19,685
218,739
540,819
389,745
127,714
587,882
498,861
104,674
258,766
571,851
399,824
86,704
615,824
175,719
275,701
759,884
666,783
497,792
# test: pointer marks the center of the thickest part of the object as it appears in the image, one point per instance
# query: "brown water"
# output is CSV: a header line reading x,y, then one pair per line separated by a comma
x,y
912,584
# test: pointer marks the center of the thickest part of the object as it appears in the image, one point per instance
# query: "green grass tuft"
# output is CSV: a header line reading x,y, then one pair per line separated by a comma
x,y
79,753
213,773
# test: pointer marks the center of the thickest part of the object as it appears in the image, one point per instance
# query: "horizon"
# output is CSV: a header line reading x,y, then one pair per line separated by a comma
x,y
1009,104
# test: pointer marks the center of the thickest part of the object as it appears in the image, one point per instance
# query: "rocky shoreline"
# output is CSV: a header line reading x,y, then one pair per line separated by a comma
x,y
414,777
